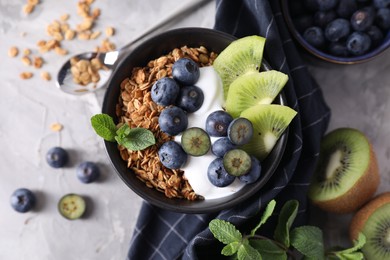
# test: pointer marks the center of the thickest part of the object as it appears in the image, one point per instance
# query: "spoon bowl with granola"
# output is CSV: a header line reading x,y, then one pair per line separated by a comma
x,y
129,100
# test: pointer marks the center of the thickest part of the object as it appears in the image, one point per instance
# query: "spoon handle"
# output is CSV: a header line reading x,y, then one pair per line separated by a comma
x,y
176,14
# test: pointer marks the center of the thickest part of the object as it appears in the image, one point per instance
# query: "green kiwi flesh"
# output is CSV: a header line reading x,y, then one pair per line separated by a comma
x,y
269,123
252,89
239,57
344,158
377,232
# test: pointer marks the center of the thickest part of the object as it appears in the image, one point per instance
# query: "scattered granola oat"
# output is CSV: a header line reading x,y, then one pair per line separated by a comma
x,y
45,75
110,31
56,127
13,51
26,75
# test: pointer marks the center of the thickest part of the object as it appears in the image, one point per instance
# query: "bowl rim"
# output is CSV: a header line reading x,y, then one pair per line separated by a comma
x,y
183,205
325,56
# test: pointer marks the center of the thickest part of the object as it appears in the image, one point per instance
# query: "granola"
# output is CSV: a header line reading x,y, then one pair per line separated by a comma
x,y
136,108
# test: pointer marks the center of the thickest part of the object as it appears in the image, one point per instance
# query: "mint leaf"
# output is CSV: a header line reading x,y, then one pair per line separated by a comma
x,y
247,252
231,249
308,240
351,256
266,214
224,231
357,244
134,139
286,218
268,249
104,126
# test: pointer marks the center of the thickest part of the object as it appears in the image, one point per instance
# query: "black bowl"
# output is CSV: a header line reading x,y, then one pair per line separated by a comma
x,y
315,52
151,49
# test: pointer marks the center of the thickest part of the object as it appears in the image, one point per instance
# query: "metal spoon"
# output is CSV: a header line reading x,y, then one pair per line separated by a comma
x,y
110,59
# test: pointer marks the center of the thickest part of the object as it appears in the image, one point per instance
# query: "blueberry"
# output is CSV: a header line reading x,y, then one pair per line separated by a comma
x,y
363,18
322,18
165,91
172,155
57,157
375,34
190,98
222,146
338,49
173,120
240,131
382,18
23,200
337,29
217,174
254,173
381,3
185,71
326,5
303,22
217,123
314,36
358,43
346,8
87,172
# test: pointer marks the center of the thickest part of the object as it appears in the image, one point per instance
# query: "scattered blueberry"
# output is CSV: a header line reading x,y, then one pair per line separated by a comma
x,y
358,43
337,29
172,155
217,174
23,200
217,123
190,98
87,172
165,91
346,8
322,18
375,34
382,18
185,71
57,157
362,19
314,36
173,120
222,146
338,49
254,173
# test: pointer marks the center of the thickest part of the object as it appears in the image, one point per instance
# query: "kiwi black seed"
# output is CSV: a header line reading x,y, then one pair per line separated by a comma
x,y
240,57
346,175
237,162
195,141
373,220
71,206
252,89
240,131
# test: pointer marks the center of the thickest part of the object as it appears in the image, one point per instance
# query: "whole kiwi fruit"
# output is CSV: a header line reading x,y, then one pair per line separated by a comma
x,y
373,220
346,176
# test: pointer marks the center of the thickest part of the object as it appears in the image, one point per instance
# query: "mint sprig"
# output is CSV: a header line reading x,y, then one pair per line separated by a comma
x,y
307,240
134,139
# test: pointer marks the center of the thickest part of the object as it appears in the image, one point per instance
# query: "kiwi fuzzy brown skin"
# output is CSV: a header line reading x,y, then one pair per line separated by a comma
x,y
360,218
359,194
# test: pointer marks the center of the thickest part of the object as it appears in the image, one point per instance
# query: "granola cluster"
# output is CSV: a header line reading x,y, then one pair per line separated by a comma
x,y
136,108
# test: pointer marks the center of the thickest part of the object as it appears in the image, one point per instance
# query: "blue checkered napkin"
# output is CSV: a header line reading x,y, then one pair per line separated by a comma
x,y
161,234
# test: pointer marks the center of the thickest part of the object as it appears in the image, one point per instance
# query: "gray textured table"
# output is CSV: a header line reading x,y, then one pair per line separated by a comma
x,y
358,96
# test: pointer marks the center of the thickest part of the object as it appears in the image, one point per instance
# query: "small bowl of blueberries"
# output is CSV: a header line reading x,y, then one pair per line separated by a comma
x,y
340,31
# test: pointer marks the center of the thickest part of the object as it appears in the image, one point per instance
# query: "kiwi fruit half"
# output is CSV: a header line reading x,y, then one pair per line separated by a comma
x,y
269,122
252,89
239,57
346,174
373,220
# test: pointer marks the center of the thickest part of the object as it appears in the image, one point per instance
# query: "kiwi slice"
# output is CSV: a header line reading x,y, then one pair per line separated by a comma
x,y
71,206
254,88
237,162
373,220
195,141
239,57
346,174
269,123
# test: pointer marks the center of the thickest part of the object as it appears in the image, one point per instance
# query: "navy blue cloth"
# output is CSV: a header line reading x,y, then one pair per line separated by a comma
x,y
161,234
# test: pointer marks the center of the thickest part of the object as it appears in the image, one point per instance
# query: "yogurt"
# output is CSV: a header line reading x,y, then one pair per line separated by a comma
x,y
195,170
